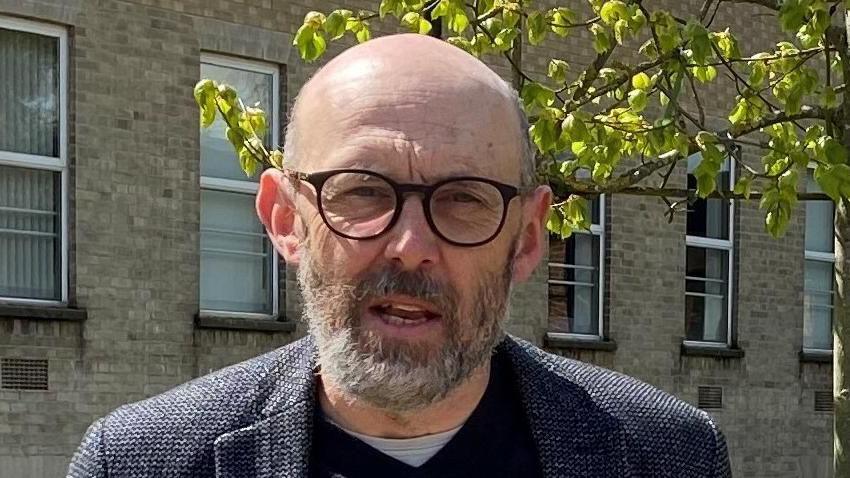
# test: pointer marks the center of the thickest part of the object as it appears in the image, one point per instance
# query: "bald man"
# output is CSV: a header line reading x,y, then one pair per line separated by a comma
x,y
410,207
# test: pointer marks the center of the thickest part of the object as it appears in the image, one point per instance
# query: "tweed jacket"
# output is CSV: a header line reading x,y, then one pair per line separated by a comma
x,y
254,419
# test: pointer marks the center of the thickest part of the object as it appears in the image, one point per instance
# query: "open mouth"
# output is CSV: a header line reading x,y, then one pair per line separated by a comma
x,y
404,313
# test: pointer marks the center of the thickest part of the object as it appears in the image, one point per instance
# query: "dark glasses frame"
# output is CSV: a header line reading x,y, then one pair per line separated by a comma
x,y
318,180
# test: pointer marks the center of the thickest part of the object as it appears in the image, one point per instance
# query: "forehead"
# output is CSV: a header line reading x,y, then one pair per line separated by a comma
x,y
421,130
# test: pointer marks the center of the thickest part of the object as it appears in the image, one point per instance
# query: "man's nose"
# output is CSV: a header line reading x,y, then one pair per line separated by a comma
x,y
411,242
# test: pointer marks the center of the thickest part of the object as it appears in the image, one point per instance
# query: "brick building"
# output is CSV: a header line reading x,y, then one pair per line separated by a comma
x,y
130,261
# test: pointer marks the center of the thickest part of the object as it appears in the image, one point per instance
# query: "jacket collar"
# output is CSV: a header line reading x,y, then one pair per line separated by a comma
x,y
278,444
566,424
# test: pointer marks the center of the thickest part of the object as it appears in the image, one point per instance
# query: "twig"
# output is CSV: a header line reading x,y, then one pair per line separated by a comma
x,y
696,98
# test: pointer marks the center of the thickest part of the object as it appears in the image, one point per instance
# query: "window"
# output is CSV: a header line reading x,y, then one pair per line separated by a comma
x,y
33,162
239,272
708,263
820,257
575,279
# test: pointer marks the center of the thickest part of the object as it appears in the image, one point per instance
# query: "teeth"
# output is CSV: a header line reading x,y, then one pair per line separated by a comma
x,y
395,320
409,308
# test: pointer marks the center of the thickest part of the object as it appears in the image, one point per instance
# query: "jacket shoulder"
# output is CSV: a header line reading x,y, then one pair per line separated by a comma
x,y
657,428
176,429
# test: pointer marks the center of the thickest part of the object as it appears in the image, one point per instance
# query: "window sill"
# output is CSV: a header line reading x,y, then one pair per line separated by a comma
x,y
710,351
811,356
557,341
204,321
42,312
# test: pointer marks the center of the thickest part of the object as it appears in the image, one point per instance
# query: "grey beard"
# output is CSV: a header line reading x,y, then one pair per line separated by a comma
x,y
398,376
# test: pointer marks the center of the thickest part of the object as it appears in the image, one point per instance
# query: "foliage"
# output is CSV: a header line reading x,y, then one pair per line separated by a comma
x,y
620,127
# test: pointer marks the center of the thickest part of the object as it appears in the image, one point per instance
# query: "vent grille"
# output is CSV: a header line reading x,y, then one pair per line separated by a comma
x,y
23,374
710,398
823,401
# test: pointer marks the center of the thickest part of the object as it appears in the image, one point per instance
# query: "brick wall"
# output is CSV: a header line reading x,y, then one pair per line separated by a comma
x,y
135,260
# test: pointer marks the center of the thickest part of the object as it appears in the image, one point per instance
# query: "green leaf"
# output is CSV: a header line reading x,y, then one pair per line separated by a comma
x,y
442,9
726,43
739,113
792,14
744,186
554,221
510,17
558,70
704,74
504,40
393,7
537,30
641,81
543,134
411,20
637,100
314,19
253,120
833,151
612,11
699,42
248,162
574,128
576,211
561,19
276,159
205,97
601,38
311,44
458,21
335,23
534,94
706,172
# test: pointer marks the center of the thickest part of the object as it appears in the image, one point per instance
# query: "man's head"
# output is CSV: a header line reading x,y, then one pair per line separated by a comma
x,y
405,286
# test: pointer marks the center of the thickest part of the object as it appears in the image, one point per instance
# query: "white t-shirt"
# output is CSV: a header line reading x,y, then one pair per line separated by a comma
x,y
411,451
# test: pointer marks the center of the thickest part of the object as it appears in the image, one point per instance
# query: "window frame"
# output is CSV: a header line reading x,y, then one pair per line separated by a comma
x,y
245,186
56,164
599,231
826,257
727,245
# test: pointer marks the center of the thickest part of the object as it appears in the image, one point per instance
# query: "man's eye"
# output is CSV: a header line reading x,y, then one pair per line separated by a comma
x,y
465,198
366,191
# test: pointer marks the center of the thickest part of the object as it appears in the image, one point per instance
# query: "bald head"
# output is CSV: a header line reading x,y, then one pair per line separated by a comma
x,y
423,90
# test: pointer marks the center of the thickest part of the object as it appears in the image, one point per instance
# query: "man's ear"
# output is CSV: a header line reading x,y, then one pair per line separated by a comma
x,y
532,240
276,210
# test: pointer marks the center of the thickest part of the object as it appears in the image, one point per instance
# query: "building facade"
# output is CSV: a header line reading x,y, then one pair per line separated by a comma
x,y
130,259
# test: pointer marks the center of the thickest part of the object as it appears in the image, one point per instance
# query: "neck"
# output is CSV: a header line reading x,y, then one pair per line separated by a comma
x,y
447,414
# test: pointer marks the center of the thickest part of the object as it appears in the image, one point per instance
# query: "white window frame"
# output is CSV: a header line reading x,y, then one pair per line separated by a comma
x,y
60,164
596,230
249,187
727,245
819,256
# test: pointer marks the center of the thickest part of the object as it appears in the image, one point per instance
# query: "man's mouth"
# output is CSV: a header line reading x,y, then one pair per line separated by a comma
x,y
404,313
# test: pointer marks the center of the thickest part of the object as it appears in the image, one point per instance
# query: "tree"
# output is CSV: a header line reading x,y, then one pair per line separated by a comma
x,y
624,124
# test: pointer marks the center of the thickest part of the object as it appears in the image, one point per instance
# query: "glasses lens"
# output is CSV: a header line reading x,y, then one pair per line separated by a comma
x,y
467,211
358,205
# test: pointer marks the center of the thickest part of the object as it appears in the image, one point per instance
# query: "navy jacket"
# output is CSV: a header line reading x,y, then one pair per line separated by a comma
x,y
254,419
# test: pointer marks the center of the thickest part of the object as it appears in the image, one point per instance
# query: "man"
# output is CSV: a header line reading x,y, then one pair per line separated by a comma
x,y
410,207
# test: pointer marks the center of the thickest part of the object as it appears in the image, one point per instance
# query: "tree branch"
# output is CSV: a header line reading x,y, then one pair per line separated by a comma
x,y
806,112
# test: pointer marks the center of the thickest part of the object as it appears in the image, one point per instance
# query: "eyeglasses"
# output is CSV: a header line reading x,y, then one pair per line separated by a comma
x,y
361,204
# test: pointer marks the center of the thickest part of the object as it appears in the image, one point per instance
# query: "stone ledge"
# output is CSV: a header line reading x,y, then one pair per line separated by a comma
x,y
816,357
556,341
42,312
204,321
709,351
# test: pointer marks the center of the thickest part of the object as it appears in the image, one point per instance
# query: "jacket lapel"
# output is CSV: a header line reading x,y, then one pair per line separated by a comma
x,y
574,436
278,444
